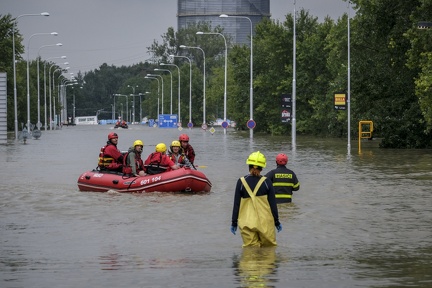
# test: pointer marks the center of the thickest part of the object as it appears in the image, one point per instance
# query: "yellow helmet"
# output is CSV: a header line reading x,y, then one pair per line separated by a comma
x,y
256,159
138,143
175,143
161,147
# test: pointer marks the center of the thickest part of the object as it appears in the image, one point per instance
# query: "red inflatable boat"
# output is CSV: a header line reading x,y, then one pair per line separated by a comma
x,y
181,180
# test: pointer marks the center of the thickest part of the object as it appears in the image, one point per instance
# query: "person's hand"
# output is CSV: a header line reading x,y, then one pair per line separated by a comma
x,y
233,229
279,228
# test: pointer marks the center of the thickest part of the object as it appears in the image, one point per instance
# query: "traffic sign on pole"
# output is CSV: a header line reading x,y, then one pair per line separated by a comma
x,y
251,124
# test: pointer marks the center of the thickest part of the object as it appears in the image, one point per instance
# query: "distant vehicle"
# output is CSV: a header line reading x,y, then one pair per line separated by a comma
x,y
86,120
219,121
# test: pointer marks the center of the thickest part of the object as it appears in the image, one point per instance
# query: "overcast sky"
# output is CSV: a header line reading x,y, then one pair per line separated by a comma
x,y
117,32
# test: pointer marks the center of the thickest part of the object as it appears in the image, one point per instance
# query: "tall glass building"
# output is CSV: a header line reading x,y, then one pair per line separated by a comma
x,y
194,11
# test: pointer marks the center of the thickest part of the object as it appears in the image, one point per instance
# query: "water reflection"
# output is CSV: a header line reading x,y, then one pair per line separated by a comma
x,y
257,267
404,267
110,261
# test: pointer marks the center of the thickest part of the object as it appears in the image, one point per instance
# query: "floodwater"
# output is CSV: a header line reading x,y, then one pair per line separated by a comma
x,y
359,220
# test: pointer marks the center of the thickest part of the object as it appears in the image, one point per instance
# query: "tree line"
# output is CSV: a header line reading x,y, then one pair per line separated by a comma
x,y
390,74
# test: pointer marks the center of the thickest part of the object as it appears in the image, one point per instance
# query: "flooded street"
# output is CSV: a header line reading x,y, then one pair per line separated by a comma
x,y
359,220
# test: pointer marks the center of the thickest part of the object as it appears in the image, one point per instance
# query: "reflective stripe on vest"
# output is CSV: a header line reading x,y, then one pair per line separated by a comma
x,y
251,193
283,184
283,196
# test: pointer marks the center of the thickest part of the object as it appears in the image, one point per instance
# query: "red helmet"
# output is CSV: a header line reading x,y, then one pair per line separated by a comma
x,y
281,159
184,137
112,135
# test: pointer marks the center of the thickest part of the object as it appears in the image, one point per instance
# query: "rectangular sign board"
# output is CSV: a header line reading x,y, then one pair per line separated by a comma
x,y
340,101
168,120
286,111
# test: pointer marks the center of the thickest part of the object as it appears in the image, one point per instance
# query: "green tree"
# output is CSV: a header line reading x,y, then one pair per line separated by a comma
x,y
7,24
420,59
383,87
272,56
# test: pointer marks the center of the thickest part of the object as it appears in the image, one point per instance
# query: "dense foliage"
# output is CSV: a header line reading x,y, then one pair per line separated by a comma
x,y
390,69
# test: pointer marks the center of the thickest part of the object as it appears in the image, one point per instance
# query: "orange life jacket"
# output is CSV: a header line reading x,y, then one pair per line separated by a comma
x,y
104,161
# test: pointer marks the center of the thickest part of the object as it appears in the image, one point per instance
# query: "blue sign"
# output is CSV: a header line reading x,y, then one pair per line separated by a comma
x,y
251,124
225,124
168,120
190,125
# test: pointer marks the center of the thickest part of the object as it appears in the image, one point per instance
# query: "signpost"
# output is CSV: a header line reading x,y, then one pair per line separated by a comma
x,y
168,120
286,105
340,101
251,124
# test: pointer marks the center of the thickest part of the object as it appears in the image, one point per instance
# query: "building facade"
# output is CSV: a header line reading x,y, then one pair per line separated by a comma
x,y
194,11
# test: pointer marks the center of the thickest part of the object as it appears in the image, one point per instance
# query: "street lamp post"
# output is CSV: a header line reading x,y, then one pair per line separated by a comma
x,y
60,93
73,111
28,75
53,87
133,102
204,79
154,78
141,105
349,84
121,114
178,89
190,88
46,61
73,101
14,67
162,102
156,69
251,68
225,82
293,124
66,83
50,97
39,124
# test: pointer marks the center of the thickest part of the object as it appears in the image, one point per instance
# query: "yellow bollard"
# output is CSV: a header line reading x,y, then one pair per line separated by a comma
x,y
364,134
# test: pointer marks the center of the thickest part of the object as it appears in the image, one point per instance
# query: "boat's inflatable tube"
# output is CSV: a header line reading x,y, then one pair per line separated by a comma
x,y
180,180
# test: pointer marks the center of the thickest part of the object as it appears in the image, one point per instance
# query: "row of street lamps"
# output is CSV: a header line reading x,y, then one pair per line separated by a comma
x,y
132,112
149,76
28,75
14,68
38,84
38,124
225,74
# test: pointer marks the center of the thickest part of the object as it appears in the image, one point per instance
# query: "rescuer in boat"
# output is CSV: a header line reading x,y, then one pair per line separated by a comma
x,y
255,210
284,180
177,156
187,148
158,161
110,157
132,162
